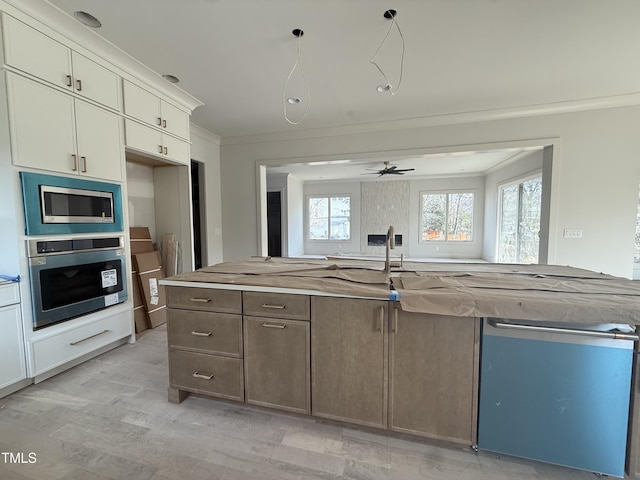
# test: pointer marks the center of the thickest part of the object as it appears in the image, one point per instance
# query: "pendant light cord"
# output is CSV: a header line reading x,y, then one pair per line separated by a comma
x,y
298,64
373,62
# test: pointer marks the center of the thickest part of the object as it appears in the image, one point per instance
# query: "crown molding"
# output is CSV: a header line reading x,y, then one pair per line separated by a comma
x,y
570,106
204,133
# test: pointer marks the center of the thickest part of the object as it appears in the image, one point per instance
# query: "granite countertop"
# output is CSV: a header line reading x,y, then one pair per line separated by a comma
x,y
519,292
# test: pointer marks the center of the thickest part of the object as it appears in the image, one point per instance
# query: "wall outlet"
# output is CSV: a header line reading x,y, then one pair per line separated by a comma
x,y
572,233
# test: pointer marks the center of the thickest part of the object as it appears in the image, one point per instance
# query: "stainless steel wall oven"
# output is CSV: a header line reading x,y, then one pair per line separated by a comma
x,y
74,276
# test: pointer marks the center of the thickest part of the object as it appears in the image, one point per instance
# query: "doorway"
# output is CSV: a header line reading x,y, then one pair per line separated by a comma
x,y
274,223
197,205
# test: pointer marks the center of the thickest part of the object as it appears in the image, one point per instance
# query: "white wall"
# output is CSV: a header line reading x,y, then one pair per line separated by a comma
x,y
205,148
141,197
462,250
595,175
529,164
329,247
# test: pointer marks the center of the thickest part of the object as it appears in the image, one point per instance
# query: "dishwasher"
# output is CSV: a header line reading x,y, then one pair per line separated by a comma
x,y
557,393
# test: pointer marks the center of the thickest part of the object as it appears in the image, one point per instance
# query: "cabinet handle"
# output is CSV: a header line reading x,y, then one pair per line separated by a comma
x,y
89,338
79,85
166,150
200,375
159,148
159,121
84,164
200,300
164,124
195,333
381,319
69,81
395,321
278,307
274,325
75,162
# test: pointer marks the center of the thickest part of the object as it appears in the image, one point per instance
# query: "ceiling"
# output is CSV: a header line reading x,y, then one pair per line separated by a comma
x,y
428,165
461,55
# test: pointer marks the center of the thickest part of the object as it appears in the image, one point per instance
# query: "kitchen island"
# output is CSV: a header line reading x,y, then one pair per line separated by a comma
x,y
331,338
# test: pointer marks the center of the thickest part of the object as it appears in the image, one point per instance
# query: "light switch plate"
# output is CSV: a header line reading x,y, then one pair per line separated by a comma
x,y
572,233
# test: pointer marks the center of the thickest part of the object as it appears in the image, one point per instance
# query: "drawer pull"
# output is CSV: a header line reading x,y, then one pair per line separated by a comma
x,y
278,307
200,300
89,338
381,319
395,321
200,375
195,333
274,325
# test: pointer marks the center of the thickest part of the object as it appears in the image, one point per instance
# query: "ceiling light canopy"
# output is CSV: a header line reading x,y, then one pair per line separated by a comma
x,y
387,85
295,99
87,19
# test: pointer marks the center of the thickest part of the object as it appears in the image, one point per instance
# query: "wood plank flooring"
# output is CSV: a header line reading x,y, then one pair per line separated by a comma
x,y
109,419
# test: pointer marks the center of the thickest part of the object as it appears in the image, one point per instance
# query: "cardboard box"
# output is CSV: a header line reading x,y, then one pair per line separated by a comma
x,y
140,240
139,311
150,272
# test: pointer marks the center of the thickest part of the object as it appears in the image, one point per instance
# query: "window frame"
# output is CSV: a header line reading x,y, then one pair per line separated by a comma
x,y
501,186
307,219
422,193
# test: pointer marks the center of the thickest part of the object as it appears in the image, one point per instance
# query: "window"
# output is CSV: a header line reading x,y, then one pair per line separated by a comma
x,y
446,217
329,218
520,205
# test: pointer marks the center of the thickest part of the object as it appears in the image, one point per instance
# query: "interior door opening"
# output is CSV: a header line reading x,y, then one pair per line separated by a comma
x,y
274,223
197,204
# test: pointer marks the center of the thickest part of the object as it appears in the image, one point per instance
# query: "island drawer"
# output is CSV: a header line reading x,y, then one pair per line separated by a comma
x,y
207,374
276,305
209,299
205,332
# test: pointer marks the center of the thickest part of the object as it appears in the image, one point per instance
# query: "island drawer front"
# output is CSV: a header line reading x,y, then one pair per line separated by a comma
x,y
207,374
206,332
276,305
210,299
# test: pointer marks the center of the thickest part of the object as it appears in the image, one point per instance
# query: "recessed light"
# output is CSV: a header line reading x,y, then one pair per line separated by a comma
x,y
87,19
293,100
171,78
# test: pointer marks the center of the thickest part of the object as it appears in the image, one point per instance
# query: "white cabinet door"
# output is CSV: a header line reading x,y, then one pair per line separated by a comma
x,y
141,104
142,138
176,150
33,52
13,366
100,145
95,82
174,120
149,140
42,127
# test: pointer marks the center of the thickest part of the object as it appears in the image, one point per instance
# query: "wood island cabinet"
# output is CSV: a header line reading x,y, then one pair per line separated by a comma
x,y
433,375
360,361
204,330
349,360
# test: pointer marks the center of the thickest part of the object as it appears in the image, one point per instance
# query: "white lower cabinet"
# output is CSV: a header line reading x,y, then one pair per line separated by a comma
x,y
63,347
13,367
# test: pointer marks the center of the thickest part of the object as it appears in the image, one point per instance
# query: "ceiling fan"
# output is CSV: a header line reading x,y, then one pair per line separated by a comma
x,y
389,170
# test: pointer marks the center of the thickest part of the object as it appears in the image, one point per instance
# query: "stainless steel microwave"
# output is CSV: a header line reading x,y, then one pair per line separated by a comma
x,y
74,205
55,205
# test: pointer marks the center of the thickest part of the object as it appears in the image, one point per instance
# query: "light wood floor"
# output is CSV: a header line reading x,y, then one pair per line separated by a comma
x,y
109,419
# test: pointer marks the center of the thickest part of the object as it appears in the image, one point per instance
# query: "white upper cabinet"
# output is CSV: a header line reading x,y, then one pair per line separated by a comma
x,y
33,52
152,110
53,131
149,140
